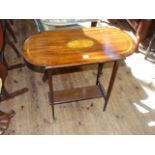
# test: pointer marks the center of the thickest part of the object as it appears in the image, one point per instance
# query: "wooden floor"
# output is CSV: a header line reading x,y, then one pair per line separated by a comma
x,y
131,108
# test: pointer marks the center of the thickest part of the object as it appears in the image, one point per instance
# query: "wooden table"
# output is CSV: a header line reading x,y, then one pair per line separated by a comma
x,y
75,47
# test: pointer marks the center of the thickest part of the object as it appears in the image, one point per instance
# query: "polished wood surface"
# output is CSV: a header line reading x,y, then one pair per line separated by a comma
x,y
62,48
76,94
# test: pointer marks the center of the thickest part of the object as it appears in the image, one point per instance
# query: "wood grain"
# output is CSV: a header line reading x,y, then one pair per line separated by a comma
x,y
62,48
76,94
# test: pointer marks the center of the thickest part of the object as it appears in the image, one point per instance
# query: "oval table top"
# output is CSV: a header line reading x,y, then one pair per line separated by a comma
x,y
62,48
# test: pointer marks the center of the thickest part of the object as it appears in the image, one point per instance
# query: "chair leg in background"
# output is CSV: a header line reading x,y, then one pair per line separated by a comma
x,y
10,30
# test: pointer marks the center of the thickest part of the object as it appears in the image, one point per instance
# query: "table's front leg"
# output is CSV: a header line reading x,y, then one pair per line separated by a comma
x,y
51,93
112,79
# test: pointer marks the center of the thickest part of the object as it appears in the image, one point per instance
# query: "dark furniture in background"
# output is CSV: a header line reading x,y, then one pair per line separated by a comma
x,y
4,95
145,32
143,28
8,34
4,67
150,48
52,24
5,120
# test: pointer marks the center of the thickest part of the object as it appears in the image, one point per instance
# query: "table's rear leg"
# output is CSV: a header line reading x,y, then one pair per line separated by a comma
x,y
51,94
100,67
45,76
93,23
112,79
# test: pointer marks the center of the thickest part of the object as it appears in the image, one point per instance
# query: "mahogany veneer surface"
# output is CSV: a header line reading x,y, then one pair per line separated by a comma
x,y
76,94
62,48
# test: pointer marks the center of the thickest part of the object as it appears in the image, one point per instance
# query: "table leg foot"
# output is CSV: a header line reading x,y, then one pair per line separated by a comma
x,y
105,106
53,112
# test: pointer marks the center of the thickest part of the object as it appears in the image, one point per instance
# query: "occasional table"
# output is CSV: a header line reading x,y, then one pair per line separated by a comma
x,y
59,49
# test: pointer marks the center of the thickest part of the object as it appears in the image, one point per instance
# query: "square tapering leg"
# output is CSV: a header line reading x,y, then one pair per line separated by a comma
x,y
51,93
112,79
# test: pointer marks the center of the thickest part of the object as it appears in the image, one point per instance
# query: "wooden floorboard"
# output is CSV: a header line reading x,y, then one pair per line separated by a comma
x,y
131,107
